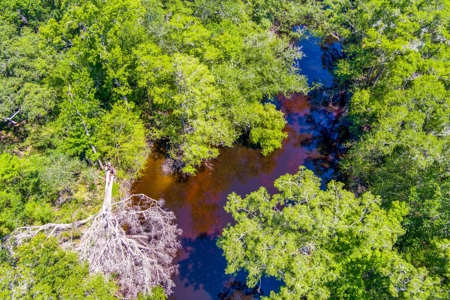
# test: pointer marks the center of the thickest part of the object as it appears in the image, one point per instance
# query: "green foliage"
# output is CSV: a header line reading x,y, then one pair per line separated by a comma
x,y
88,81
157,294
31,185
404,157
29,12
282,15
120,139
26,63
83,83
390,41
321,243
20,194
397,66
213,94
194,77
42,270
267,127
80,112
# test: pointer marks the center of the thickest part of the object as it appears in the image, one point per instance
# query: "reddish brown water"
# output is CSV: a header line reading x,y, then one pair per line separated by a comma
x,y
198,201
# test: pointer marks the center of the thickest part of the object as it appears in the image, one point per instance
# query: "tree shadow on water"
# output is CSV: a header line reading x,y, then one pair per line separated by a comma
x,y
204,269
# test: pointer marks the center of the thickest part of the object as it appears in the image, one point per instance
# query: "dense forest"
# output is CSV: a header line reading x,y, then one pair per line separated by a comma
x,y
88,86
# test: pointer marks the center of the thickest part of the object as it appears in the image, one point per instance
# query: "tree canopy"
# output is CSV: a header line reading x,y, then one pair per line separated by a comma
x,y
322,244
42,270
87,84
396,65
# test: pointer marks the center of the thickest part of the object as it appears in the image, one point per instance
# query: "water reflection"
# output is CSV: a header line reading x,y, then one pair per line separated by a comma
x,y
313,136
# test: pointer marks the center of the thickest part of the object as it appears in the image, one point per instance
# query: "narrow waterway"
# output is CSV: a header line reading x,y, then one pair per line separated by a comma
x,y
314,135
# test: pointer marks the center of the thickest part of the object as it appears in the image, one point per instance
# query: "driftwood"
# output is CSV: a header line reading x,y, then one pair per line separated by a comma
x,y
134,239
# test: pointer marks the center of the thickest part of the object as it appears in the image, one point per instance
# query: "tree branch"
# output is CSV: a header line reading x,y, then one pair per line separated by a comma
x,y
10,119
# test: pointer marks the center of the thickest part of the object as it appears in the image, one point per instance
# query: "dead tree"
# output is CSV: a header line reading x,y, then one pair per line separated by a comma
x,y
134,239
23,234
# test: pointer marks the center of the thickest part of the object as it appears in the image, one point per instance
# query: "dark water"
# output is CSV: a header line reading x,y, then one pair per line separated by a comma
x,y
198,201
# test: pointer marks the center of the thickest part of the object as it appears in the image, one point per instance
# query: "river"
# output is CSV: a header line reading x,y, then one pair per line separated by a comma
x,y
314,141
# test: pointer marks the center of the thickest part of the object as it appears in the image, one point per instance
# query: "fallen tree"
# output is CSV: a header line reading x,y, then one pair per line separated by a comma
x,y
134,239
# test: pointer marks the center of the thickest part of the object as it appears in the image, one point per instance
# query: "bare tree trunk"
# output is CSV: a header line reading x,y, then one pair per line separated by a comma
x,y
98,160
110,175
10,119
